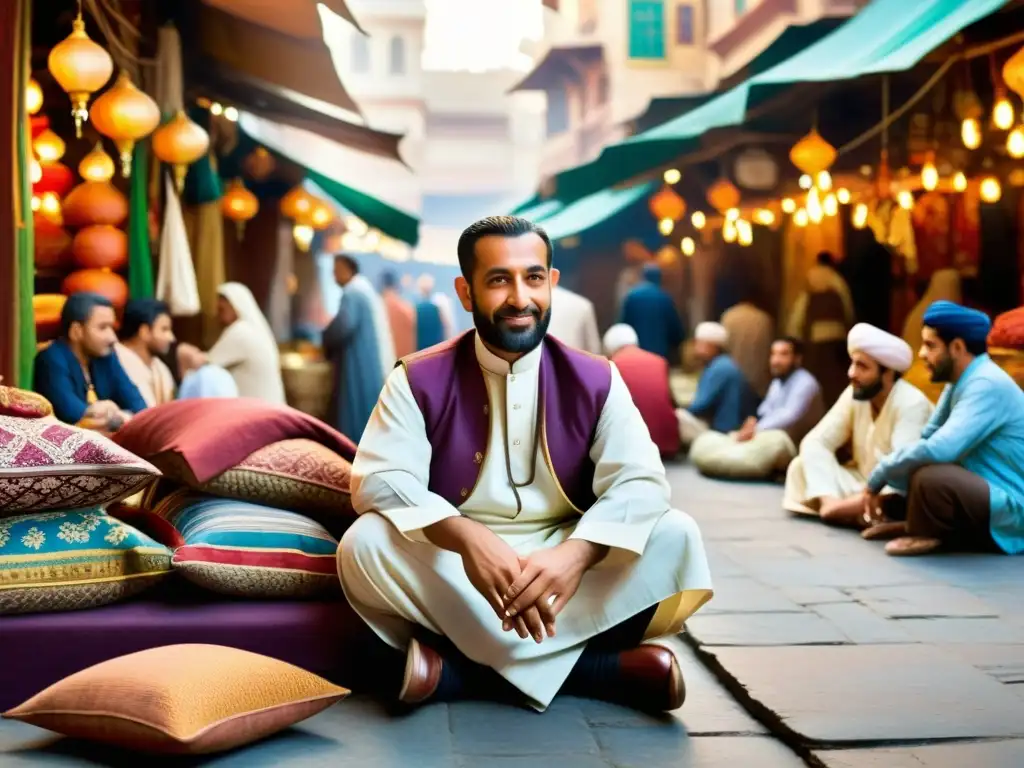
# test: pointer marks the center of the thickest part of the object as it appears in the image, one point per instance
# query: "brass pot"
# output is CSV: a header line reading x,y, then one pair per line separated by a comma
x,y
307,384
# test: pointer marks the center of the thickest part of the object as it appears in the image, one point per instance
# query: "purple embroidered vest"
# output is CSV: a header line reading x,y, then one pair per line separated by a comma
x,y
449,388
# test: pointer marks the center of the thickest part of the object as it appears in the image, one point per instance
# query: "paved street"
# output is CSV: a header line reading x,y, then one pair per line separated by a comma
x,y
818,649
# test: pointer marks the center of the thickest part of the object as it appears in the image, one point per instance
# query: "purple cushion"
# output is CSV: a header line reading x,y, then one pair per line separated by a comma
x,y
50,646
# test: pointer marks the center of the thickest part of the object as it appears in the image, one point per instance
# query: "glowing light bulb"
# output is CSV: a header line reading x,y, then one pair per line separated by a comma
x,y
729,232
1002,114
665,226
733,214
830,205
824,181
1015,142
231,114
36,202
216,109
929,176
788,205
672,176
959,181
33,97
843,195
800,218
814,209
35,171
991,190
970,133
860,216
698,220
688,247
806,182
745,232
303,235
906,199
764,216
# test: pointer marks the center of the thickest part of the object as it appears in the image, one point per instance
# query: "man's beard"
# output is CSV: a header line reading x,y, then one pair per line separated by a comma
x,y
508,339
943,370
869,391
782,374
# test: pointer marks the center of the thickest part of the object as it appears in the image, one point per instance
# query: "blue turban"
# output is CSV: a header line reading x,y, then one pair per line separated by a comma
x,y
953,321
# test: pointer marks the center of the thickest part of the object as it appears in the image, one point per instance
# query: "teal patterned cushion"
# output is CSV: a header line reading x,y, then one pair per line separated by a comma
x,y
62,561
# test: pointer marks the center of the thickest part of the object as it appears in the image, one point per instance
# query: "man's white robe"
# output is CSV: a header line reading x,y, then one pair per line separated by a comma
x,y
817,473
395,579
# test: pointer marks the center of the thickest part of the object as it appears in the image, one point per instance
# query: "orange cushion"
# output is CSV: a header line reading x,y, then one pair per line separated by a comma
x,y
180,699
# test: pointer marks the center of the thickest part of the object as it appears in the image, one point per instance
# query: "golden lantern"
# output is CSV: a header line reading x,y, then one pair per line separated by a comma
x,y
991,190
667,204
698,220
800,218
970,132
125,114
860,216
906,199
959,181
50,207
33,97
929,175
303,235
1015,143
764,217
744,232
81,67
49,147
732,214
723,195
180,142
788,205
239,205
259,164
687,246
812,154
97,165
665,226
321,216
1013,72
830,205
843,195
298,203
729,231
1002,114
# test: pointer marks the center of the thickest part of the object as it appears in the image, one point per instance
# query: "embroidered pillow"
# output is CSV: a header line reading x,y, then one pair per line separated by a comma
x,y
243,549
45,465
180,699
63,561
23,404
300,475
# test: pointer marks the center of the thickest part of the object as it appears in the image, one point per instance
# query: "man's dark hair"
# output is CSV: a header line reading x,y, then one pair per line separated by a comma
x,y
389,280
351,263
826,259
975,346
78,309
140,312
794,343
501,226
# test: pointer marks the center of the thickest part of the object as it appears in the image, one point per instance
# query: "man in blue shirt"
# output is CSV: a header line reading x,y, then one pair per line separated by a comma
x,y
724,398
965,479
767,442
649,309
80,374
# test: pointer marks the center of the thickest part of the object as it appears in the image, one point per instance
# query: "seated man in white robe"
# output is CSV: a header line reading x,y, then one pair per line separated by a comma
x,y
877,414
767,442
515,535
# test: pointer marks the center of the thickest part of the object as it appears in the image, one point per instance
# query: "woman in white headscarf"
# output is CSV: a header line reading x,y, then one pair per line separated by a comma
x,y
247,347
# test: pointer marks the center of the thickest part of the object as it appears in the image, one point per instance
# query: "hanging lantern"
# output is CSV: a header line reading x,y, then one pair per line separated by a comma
x,y
298,203
180,142
843,195
101,281
698,220
1013,73
100,246
125,114
800,218
303,235
95,202
49,147
97,165
812,154
764,217
906,199
321,216
239,205
1015,142
723,195
729,231
929,175
33,97
970,132
55,177
744,232
991,190
959,181
1002,114
49,206
687,246
81,67
788,205
860,216
830,205
667,204
259,164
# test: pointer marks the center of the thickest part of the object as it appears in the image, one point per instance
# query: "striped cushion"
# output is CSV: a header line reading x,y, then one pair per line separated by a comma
x,y
243,549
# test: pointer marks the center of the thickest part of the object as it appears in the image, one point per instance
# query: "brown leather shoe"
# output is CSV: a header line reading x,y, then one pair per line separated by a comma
x,y
422,673
650,679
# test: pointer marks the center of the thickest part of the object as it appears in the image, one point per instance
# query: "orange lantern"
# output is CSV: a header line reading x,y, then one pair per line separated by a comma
x,y
95,202
298,203
180,142
81,67
239,205
100,246
51,243
723,195
320,217
125,114
667,204
49,147
97,165
101,281
1013,72
812,154
33,97
259,164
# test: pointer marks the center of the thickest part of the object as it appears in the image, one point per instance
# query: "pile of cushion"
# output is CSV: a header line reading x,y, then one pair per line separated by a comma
x,y
59,549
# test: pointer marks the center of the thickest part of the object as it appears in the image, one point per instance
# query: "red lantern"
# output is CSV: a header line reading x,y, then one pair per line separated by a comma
x,y
100,246
667,204
56,178
95,202
52,243
101,281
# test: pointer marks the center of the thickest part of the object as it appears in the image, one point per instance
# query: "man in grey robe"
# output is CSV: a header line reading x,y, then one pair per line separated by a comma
x,y
351,344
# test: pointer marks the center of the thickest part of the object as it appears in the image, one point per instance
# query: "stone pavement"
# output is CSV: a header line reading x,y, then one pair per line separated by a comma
x,y
818,649
850,656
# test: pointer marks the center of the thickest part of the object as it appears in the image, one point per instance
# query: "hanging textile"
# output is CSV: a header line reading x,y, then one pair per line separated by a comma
x,y
140,256
25,344
176,279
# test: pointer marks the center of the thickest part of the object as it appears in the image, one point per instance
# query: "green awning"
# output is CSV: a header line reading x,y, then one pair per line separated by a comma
x,y
537,212
378,214
886,36
592,210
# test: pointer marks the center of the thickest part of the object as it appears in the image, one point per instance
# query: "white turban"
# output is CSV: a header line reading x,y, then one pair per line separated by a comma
x,y
713,333
618,336
882,347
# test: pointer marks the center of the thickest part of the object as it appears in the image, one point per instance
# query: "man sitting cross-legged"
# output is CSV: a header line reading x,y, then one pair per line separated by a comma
x,y
766,443
876,415
965,476
515,536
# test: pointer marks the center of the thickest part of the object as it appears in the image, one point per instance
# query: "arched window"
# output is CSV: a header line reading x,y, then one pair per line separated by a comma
x,y
360,53
397,55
